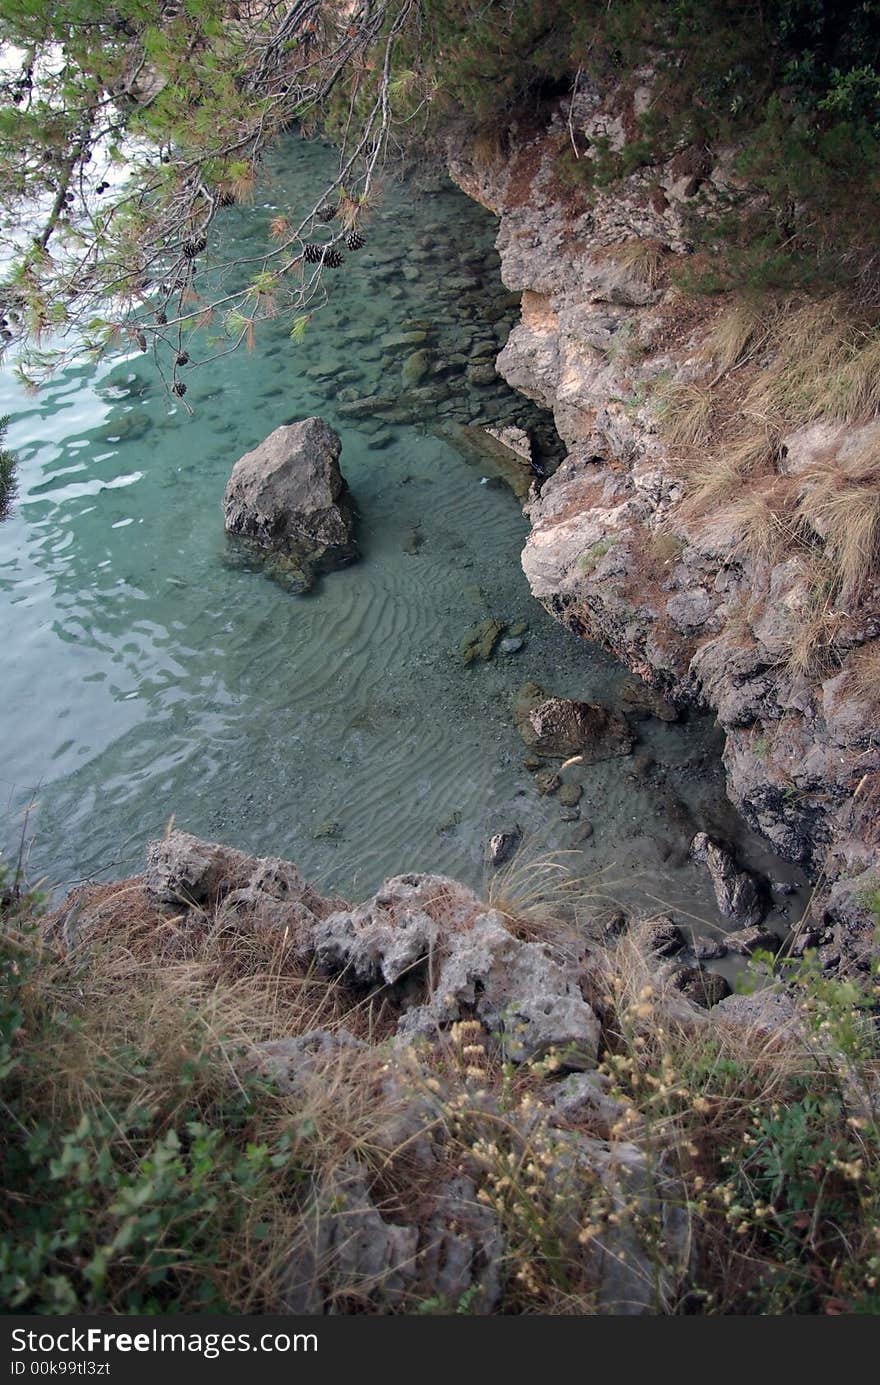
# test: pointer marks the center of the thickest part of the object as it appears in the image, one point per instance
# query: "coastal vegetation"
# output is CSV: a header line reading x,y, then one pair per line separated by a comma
x,y
124,132
150,1166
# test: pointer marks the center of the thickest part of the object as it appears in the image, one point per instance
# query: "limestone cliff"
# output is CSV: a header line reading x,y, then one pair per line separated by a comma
x,y
616,553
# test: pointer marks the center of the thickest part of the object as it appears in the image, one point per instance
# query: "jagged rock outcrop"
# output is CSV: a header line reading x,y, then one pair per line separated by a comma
x,y
183,869
460,961
687,604
288,497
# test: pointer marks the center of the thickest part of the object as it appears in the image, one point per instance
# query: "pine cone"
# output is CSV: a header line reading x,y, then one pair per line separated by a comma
x,y
191,248
182,358
178,388
354,240
327,212
332,258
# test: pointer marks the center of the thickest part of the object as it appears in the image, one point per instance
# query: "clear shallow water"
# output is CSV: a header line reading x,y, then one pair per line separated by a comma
x,y
147,672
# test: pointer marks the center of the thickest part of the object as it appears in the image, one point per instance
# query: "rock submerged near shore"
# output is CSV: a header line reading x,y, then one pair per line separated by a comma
x,y
288,500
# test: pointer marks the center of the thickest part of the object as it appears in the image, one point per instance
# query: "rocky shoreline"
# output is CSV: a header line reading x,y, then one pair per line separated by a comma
x,y
478,1013
613,556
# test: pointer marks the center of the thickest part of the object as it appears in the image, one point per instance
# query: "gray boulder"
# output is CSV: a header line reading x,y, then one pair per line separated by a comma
x,y
269,893
770,1010
182,869
638,1260
352,1251
288,497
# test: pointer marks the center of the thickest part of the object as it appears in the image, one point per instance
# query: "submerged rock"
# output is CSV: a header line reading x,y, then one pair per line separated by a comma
x,y
288,497
480,641
547,781
647,700
736,891
705,988
708,949
493,453
557,727
415,368
663,937
502,845
748,941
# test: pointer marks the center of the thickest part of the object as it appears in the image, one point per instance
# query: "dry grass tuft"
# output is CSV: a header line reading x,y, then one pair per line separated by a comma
x,y
823,365
739,334
766,519
813,650
541,898
488,148
685,411
645,259
841,502
863,673
713,477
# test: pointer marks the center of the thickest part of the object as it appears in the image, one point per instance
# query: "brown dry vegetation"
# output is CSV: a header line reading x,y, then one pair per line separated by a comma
x,y
645,259
770,368
863,674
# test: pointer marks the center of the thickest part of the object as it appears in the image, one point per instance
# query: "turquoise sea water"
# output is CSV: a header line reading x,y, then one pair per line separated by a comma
x,y
148,672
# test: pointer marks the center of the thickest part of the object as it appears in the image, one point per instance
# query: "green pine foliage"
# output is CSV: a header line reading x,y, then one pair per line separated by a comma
x,y
7,472
173,109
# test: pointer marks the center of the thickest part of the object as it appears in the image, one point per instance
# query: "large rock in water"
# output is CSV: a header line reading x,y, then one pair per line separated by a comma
x,y
557,727
289,497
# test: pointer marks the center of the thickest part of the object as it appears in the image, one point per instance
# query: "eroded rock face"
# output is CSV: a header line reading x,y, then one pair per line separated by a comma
x,y
288,497
518,992
184,871
685,604
559,727
353,1246
431,935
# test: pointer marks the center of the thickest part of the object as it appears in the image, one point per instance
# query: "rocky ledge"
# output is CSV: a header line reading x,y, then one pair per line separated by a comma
x,y
684,602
